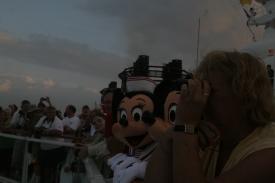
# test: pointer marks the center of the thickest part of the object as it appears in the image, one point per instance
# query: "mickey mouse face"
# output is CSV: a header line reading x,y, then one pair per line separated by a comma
x,y
136,115
170,107
130,128
131,109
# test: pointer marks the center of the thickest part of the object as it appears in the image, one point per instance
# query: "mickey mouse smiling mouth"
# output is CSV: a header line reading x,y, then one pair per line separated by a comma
x,y
130,128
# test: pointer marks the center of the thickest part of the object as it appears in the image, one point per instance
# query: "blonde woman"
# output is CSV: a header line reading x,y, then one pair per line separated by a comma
x,y
231,91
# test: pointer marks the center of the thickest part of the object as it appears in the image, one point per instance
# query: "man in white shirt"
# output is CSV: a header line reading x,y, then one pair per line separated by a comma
x,y
71,122
19,118
50,124
50,155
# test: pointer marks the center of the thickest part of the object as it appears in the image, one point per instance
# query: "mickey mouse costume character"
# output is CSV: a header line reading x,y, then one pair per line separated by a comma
x,y
129,128
167,93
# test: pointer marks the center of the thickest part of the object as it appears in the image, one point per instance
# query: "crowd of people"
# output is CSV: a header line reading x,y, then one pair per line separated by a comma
x,y
44,121
218,128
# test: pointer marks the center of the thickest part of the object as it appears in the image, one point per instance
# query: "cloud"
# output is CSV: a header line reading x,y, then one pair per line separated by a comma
x,y
14,89
48,84
5,37
92,90
167,29
5,85
61,54
155,27
29,80
160,28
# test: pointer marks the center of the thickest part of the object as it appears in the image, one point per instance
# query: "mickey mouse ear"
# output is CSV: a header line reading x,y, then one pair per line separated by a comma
x,y
140,84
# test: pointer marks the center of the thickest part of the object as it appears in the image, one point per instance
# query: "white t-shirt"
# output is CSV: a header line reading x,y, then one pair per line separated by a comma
x,y
55,125
73,122
17,120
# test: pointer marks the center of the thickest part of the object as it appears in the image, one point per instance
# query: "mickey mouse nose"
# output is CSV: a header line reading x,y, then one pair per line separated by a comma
x,y
148,118
123,122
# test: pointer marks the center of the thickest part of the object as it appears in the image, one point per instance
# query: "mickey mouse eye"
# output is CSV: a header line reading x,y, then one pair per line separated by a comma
x,y
172,113
137,114
123,115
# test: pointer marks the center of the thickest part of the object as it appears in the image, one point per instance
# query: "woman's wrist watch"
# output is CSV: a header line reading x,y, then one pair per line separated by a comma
x,y
186,128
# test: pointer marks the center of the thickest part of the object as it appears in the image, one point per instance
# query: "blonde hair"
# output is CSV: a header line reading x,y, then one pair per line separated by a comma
x,y
249,81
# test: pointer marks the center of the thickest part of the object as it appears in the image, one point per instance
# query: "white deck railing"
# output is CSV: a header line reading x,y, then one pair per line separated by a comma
x,y
26,160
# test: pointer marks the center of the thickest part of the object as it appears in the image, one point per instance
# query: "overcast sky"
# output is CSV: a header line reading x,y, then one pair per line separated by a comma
x,y
70,49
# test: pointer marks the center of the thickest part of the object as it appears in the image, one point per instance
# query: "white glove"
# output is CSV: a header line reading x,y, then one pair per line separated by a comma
x,y
112,162
126,163
137,170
